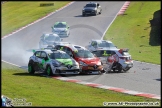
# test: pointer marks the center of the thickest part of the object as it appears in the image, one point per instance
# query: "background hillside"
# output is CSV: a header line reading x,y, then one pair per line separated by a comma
x,y
139,29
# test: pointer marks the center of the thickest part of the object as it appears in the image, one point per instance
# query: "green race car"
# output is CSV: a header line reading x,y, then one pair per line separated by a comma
x,y
51,62
61,29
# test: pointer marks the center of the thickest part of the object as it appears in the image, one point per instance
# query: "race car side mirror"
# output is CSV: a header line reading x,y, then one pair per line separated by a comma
x,y
95,55
71,55
116,46
45,58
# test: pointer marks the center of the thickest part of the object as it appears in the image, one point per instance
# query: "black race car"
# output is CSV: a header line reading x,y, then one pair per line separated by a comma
x,y
91,8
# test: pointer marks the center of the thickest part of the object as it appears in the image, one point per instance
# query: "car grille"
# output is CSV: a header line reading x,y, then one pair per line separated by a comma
x,y
94,67
63,71
69,66
88,11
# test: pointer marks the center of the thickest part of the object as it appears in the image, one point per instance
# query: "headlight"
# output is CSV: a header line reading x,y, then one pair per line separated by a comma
x,y
76,64
82,63
99,63
63,31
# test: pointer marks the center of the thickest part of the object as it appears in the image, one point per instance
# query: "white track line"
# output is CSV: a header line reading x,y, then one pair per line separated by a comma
x,y
116,89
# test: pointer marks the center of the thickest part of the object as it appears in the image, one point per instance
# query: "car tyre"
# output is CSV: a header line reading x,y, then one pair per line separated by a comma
x,y
100,11
119,67
48,71
31,68
125,70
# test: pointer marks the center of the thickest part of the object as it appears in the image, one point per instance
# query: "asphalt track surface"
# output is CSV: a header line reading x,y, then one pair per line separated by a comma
x,y
143,77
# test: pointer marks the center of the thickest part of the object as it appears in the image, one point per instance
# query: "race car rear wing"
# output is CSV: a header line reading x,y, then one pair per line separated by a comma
x,y
123,50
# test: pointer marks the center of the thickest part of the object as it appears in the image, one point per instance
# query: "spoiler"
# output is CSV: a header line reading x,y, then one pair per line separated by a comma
x,y
124,49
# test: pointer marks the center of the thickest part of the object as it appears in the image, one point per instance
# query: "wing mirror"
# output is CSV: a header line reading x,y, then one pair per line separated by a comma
x,y
61,39
46,58
95,55
71,55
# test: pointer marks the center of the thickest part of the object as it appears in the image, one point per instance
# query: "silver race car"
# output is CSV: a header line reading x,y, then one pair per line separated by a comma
x,y
61,29
52,61
99,44
49,40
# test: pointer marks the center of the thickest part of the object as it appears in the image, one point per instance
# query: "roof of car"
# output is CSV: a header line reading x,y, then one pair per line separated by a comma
x,y
50,50
99,41
50,34
60,22
73,46
110,49
92,3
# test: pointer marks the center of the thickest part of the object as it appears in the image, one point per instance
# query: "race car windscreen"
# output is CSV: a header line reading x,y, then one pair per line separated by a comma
x,y
105,44
59,56
91,5
102,53
84,54
52,38
60,25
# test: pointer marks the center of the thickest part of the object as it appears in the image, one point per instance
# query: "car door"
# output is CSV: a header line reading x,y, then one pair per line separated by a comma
x,y
37,60
106,54
43,60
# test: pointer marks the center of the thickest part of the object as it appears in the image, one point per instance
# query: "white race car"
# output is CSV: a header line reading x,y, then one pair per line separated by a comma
x,y
121,61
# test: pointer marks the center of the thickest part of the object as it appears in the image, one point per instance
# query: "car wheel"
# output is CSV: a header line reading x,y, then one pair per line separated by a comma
x,y
100,11
101,72
69,34
125,70
31,68
48,71
119,67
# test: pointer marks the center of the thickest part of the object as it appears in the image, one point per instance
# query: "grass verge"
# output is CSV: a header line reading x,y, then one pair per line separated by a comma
x,y
17,14
43,91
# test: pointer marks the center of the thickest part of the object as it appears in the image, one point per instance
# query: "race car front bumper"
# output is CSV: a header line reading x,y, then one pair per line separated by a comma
x,y
67,70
